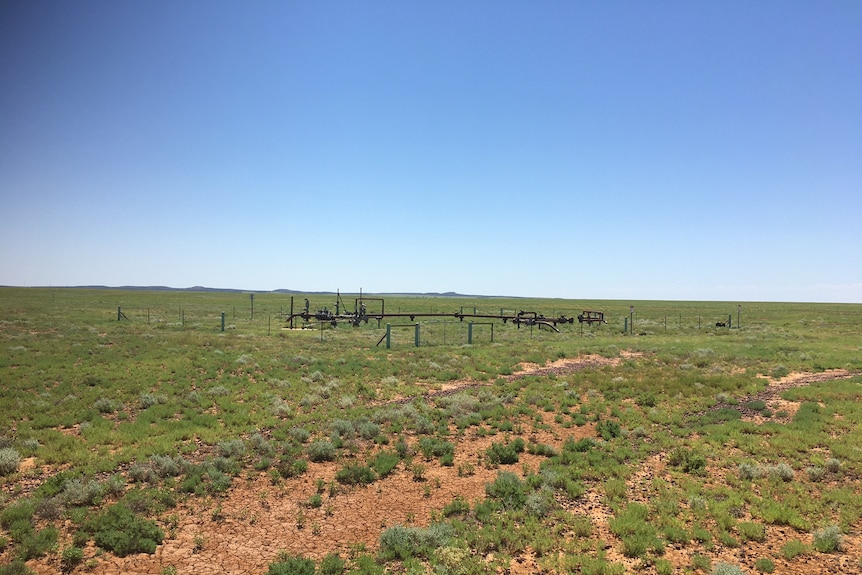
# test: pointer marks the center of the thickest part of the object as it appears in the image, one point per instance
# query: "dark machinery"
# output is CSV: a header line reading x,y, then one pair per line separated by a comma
x,y
361,314
591,317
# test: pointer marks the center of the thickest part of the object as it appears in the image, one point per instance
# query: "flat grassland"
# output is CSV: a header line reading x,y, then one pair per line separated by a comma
x,y
137,436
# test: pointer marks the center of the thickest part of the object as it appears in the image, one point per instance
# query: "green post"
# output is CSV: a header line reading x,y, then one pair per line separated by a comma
x,y
222,321
625,325
119,313
388,335
417,335
470,333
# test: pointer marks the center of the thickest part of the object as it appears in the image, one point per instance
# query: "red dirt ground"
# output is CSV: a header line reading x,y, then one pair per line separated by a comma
x,y
243,532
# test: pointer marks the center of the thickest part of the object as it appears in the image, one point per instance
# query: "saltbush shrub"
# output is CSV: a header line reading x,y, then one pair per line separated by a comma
x,y
105,405
404,542
167,466
9,461
78,492
321,450
727,569
342,428
261,445
781,471
367,429
828,539
231,448
299,434
541,502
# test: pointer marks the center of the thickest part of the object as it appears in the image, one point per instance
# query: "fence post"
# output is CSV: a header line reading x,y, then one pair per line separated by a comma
x,y
417,335
388,335
470,333
625,325
222,321
119,313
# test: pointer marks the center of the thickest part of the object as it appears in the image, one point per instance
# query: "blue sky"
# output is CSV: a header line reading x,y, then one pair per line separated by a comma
x,y
584,150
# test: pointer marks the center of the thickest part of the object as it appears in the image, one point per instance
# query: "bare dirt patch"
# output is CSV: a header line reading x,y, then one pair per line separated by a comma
x,y
771,395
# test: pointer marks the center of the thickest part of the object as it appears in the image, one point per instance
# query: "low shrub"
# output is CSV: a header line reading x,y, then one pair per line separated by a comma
x,y
457,506
321,450
700,562
261,445
608,429
342,428
33,544
50,508
148,400
143,473
299,434
78,492
16,567
105,405
541,502
355,474
117,529
167,466
688,460
367,429
332,564
793,549
231,448
431,447
781,471
508,489
580,446
70,558
815,473
404,542
828,539
751,531
727,569
9,461
20,510
541,449
289,565
384,462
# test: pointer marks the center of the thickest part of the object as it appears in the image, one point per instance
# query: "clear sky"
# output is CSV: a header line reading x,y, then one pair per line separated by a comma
x,y
671,150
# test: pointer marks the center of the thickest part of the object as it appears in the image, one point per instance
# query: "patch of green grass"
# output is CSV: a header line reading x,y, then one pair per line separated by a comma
x,y
355,474
794,548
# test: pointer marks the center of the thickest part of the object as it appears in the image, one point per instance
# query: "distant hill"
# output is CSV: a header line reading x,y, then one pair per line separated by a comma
x,y
279,291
